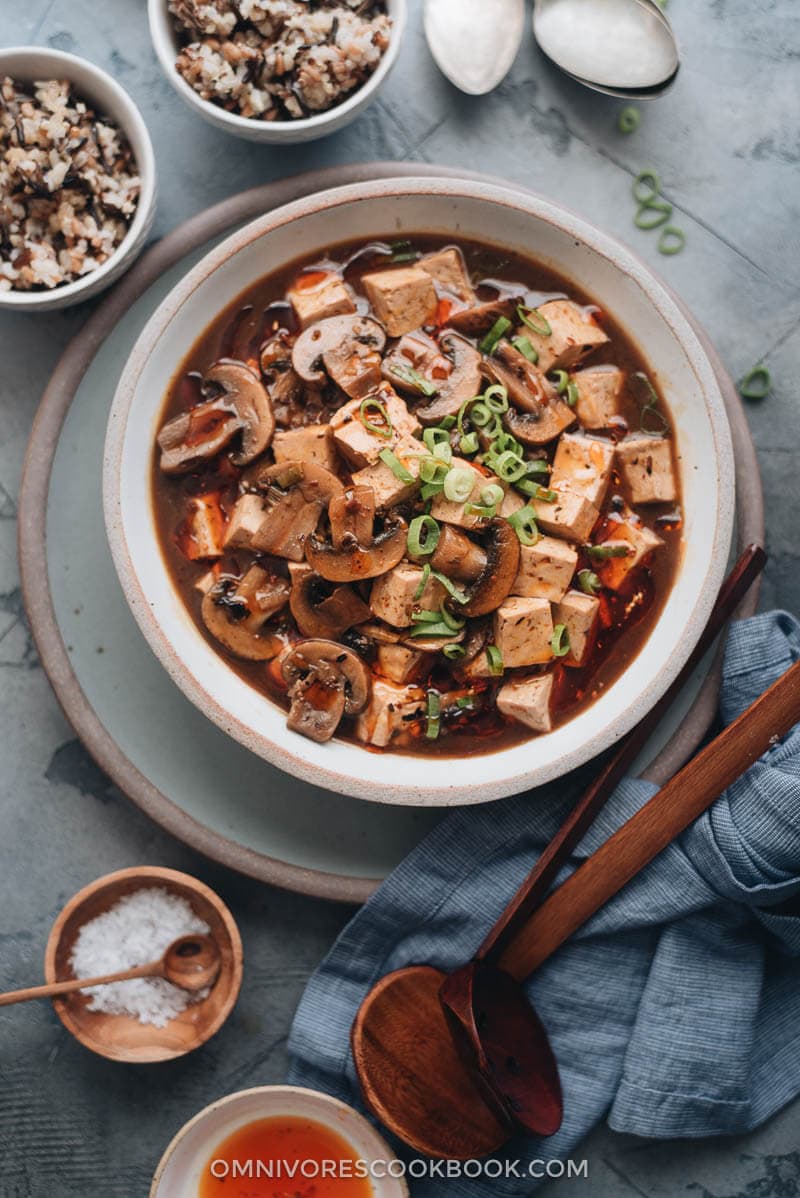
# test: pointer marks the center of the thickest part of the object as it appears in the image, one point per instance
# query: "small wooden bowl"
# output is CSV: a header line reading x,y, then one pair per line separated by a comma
x,y
120,1037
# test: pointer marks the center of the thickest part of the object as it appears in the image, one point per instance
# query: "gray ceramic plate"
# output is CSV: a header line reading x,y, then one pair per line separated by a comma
x,y
178,767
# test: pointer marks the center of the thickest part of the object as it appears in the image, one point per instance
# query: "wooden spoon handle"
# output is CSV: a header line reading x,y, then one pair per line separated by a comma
x,y
581,818
53,989
646,834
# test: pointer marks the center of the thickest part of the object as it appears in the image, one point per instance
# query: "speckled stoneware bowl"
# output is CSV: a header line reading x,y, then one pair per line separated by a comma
x,y
286,133
619,282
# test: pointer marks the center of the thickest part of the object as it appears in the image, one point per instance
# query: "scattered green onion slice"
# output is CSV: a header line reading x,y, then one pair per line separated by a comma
x,y
643,390
423,582
443,453
653,421
524,524
504,442
426,617
756,383
453,652
588,582
466,702
671,241
434,712
498,330
431,470
509,466
459,484
476,509
429,490
629,118
469,443
559,379
646,187
414,379
653,214
525,347
453,591
533,318
492,495
453,623
495,659
435,436
602,553
481,414
448,422
536,491
559,642
572,394
396,466
496,398
436,629
379,407
423,536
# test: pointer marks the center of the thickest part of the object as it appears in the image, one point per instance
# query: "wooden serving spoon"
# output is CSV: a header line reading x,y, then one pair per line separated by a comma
x,y
464,1095
192,962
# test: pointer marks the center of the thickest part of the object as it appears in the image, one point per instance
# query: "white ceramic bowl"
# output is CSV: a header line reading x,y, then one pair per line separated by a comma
x,y
165,41
619,282
31,63
180,1169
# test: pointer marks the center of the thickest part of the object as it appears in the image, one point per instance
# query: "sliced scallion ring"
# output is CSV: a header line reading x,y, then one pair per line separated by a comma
x,y
453,591
435,436
646,187
603,553
524,524
434,711
525,347
628,120
454,623
495,660
431,470
481,414
443,453
397,468
671,241
459,484
469,443
414,379
483,513
508,466
559,642
369,405
466,702
533,318
423,582
452,653
588,582
498,330
492,495
559,379
423,536
653,214
572,396
756,384
496,399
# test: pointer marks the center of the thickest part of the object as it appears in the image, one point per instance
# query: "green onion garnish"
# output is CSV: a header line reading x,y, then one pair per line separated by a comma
x,y
423,582
602,553
452,653
492,495
431,470
756,383
438,630
643,389
653,214
652,421
524,524
414,379
588,582
481,414
525,347
396,466
434,711
533,318
484,513
671,241
423,536
496,398
469,443
453,591
435,436
559,379
443,453
465,702
454,623
537,491
646,187
572,394
375,405
498,330
429,490
459,484
509,466
559,641
495,659
629,118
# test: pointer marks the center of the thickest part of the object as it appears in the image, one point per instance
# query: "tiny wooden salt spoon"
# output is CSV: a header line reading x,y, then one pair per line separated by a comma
x,y
455,1065
192,962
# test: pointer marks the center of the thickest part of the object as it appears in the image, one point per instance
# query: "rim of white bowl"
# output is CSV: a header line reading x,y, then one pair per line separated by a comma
x,y
137,133
165,43
318,770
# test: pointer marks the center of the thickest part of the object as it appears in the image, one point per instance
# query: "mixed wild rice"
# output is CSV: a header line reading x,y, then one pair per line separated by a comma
x,y
277,60
68,186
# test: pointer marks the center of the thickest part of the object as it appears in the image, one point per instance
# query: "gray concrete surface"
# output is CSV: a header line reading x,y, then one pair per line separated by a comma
x,y
725,142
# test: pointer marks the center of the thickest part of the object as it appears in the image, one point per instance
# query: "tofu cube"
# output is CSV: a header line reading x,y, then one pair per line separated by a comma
x,y
358,445
573,336
204,533
641,542
399,663
313,444
571,516
545,570
330,297
392,709
527,700
388,488
246,519
578,612
599,391
583,465
646,466
393,598
449,271
402,299
523,630
448,511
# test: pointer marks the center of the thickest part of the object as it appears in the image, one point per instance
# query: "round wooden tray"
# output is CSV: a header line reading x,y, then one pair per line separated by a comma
x,y
361,841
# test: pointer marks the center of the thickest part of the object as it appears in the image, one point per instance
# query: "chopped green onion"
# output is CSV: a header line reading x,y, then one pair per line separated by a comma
x,y
453,591
653,422
437,629
454,623
469,443
481,414
525,347
459,484
671,241
443,452
496,399
375,405
414,379
602,553
559,379
484,513
508,466
643,390
756,383
572,394
431,470
465,702
434,712
646,187
495,659
435,436
533,318
447,423
559,641
498,330
588,582
426,617
504,442
453,652
492,495
524,524
423,536
629,118
423,582
396,466
653,214
429,490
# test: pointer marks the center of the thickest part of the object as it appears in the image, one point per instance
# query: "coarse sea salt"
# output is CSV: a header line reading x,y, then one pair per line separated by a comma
x,y
136,930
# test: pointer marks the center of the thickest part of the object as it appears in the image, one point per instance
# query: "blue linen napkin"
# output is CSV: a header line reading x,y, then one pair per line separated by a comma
x,y
675,1012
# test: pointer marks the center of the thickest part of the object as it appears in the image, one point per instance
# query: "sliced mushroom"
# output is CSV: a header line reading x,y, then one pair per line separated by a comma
x,y
283,383
349,348
543,416
352,561
480,317
463,383
326,681
416,354
352,513
496,579
293,497
321,609
457,556
242,406
235,612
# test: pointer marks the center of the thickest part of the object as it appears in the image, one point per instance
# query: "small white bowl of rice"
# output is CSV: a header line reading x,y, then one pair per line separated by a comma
x,y
277,71
77,179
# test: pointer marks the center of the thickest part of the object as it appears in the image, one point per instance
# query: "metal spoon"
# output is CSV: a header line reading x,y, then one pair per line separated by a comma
x,y
623,48
474,42
192,962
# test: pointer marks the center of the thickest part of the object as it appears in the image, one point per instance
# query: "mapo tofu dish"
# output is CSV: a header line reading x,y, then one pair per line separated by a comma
x,y
423,495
